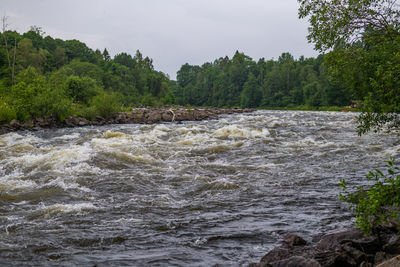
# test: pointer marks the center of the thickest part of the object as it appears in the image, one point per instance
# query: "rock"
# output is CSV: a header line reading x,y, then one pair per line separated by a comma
x,y
293,240
393,262
72,121
332,239
152,117
354,253
296,261
121,118
29,124
366,264
381,257
275,254
393,246
137,115
369,245
167,116
15,124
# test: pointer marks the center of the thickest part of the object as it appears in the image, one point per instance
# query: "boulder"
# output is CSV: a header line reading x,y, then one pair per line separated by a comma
x,y
393,262
152,117
293,240
275,254
332,239
393,246
15,124
296,261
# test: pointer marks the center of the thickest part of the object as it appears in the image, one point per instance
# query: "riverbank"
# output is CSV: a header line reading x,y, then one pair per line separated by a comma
x,y
347,247
136,115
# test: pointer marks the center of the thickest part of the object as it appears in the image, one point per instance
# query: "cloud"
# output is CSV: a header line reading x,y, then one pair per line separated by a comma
x,y
171,32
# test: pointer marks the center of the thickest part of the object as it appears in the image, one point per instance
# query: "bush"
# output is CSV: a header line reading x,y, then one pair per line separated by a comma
x,y
380,202
82,89
7,113
149,101
33,96
52,103
104,104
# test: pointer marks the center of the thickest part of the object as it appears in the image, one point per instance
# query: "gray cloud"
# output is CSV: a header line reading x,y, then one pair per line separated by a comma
x,y
171,32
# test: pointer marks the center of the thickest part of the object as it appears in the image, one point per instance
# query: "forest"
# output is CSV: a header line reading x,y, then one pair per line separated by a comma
x,y
47,77
243,82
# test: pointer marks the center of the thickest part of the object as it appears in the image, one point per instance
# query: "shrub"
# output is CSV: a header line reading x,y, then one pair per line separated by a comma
x,y
380,202
148,101
105,105
7,113
33,96
82,89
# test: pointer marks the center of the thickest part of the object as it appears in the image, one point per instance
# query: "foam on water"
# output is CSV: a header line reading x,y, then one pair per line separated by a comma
x,y
179,194
235,131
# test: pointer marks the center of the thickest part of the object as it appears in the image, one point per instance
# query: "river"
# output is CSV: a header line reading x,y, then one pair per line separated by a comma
x,y
218,192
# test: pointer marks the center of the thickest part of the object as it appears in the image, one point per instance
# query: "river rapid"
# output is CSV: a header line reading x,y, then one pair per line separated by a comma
x,y
218,192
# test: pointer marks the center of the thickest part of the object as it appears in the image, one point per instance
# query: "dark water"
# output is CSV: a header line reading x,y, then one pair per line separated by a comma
x,y
193,194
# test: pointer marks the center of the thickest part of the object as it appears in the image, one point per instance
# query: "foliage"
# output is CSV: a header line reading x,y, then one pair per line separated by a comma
x,y
380,202
240,81
105,104
54,77
344,22
33,96
7,112
148,101
82,89
364,39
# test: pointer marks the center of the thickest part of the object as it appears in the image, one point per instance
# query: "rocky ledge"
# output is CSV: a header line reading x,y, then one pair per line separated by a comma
x,y
136,115
341,248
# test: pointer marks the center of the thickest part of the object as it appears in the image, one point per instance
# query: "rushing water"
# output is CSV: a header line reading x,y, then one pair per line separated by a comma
x,y
192,194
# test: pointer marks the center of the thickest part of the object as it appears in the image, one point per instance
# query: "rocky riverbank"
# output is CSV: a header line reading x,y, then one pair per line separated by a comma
x,y
136,115
347,247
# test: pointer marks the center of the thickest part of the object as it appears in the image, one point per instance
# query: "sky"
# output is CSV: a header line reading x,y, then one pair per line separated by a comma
x,y
171,32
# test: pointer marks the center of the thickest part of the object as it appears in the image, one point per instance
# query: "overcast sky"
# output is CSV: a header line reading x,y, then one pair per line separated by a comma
x,y
171,32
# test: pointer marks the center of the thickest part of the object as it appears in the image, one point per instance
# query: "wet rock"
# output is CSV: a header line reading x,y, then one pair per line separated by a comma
x,y
296,261
393,246
29,124
293,240
332,239
121,118
137,115
366,264
393,262
15,124
369,245
167,116
381,256
72,121
152,117
82,122
355,254
274,255
339,248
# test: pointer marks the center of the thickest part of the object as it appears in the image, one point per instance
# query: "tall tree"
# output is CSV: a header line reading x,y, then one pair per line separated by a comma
x,y
10,58
364,37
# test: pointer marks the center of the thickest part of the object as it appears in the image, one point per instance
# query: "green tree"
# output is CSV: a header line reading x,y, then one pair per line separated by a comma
x,y
82,89
32,97
365,38
251,94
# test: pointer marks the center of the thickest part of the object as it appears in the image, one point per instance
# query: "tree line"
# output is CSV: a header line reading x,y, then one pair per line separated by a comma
x,y
243,82
52,78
